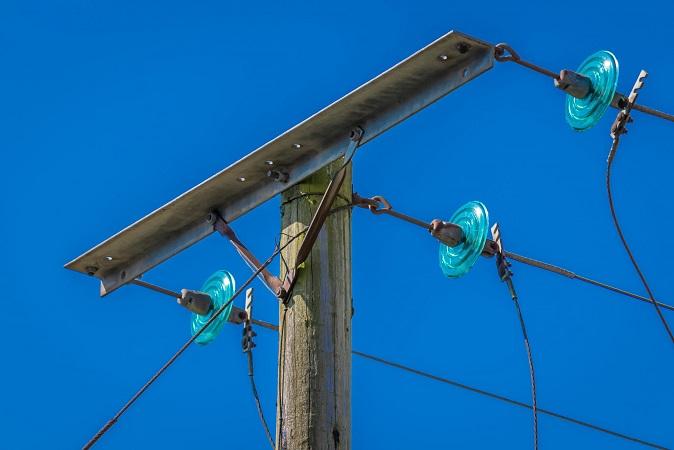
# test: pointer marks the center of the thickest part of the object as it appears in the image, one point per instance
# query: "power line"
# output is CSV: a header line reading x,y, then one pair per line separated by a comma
x,y
180,351
372,204
614,216
506,275
498,397
574,276
258,405
532,372
505,399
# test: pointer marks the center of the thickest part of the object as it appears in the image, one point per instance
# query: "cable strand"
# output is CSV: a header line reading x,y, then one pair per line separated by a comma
x,y
258,404
505,399
184,347
616,223
532,372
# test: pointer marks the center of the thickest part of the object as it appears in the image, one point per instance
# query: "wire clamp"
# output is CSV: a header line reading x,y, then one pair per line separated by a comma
x,y
247,343
623,118
502,263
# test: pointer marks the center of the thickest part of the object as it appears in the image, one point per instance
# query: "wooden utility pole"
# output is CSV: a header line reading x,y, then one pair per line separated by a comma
x,y
314,378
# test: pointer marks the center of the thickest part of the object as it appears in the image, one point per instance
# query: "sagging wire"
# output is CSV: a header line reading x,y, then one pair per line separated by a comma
x,y
184,347
505,399
492,395
503,267
619,128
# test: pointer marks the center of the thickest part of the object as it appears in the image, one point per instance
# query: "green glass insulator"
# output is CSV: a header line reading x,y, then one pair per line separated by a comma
x,y
220,286
473,218
602,70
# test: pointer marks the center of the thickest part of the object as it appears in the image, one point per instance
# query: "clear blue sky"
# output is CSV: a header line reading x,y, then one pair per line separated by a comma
x,y
110,109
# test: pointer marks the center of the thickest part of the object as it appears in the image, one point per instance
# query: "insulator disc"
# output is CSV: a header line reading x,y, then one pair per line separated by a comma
x,y
602,69
473,219
220,286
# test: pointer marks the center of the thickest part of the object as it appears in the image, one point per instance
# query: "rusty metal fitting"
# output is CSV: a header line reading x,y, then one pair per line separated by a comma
x,y
448,233
500,54
573,83
380,205
195,301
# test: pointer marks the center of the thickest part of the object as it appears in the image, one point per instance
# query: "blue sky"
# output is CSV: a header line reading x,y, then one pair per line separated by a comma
x,y
108,110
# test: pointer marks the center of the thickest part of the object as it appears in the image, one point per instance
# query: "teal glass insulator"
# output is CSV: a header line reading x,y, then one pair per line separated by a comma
x,y
220,286
473,218
602,70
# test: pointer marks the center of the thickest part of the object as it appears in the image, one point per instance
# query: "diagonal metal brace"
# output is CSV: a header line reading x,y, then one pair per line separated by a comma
x,y
327,200
278,287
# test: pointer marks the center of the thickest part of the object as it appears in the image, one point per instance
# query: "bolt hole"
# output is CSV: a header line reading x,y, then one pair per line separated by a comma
x,y
465,73
123,274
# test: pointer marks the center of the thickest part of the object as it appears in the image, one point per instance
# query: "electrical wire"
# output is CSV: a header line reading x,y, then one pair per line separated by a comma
x,y
251,377
505,274
479,391
485,393
532,372
614,216
550,268
281,375
282,351
184,347
505,399
574,276
503,53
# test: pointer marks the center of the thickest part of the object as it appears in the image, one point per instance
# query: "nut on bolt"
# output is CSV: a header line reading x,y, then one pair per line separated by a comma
x,y
279,175
462,47
212,217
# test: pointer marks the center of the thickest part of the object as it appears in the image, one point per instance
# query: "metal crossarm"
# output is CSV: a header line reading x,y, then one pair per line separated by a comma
x,y
376,106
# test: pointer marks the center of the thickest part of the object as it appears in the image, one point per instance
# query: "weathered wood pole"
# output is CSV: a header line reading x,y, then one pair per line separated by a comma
x,y
314,379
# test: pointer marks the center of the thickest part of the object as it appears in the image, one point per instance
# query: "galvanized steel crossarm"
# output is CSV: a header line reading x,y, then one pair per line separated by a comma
x,y
390,98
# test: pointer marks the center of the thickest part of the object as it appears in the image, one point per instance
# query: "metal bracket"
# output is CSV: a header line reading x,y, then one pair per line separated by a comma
x,y
446,232
328,199
275,285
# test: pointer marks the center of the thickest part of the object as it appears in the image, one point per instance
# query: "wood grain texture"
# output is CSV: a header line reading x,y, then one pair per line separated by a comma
x,y
314,393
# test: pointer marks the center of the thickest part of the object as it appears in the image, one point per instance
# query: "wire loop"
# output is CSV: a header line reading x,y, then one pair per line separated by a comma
x,y
500,53
375,207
